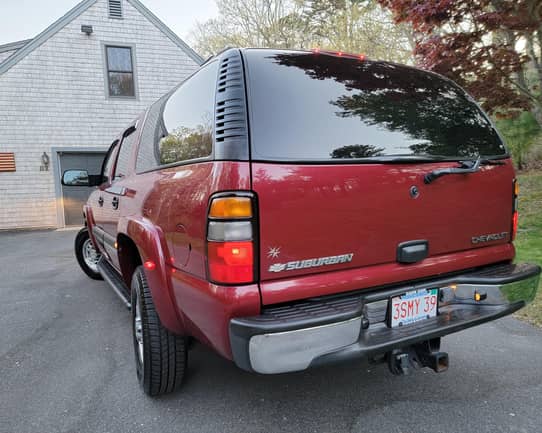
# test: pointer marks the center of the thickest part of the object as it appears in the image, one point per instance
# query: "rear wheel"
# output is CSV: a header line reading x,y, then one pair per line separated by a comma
x,y
160,355
87,256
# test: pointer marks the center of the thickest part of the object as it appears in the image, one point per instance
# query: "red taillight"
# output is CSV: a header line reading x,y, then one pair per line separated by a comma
x,y
515,198
514,225
231,262
230,238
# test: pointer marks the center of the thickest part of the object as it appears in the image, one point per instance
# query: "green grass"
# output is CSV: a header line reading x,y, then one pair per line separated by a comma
x,y
529,238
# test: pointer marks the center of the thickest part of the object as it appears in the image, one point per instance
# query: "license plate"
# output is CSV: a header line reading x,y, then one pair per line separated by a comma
x,y
413,307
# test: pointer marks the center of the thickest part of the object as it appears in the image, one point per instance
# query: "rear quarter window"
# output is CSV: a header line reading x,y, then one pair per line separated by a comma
x,y
318,107
179,126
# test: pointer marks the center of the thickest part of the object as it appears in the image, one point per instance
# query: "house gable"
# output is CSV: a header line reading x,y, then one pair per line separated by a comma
x,y
56,96
46,34
32,44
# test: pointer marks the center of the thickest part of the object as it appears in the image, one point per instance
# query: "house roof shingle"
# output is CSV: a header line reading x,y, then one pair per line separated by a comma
x,y
14,46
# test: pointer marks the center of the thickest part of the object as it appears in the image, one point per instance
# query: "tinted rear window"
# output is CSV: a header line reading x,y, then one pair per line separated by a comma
x,y
316,107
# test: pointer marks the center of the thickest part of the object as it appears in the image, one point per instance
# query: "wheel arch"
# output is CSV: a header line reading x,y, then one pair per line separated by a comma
x,y
140,241
129,257
89,224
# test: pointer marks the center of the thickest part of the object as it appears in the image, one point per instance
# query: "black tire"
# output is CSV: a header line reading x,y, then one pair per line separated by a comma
x,y
82,241
162,364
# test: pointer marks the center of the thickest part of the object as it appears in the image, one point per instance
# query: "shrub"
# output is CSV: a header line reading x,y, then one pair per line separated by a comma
x,y
520,134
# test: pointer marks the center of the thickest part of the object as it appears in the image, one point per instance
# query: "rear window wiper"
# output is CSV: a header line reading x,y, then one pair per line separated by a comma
x,y
470,166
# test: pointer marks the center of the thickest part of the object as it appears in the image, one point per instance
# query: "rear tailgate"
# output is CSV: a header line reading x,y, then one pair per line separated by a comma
x,y
319,218
339,151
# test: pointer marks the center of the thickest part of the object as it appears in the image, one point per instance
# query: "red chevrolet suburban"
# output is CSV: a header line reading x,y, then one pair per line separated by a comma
x,y
291,209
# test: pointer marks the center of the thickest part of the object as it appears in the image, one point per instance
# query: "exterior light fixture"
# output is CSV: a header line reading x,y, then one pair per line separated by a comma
x,y
88,30
44,162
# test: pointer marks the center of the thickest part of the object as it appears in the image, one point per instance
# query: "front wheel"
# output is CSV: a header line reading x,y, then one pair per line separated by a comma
x,y
87,256
160,355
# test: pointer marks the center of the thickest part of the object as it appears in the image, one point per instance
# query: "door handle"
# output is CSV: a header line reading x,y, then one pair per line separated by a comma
x,y
115,202
101,201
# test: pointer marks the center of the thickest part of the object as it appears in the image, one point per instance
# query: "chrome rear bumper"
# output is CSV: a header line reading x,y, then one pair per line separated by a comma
x,y
320,331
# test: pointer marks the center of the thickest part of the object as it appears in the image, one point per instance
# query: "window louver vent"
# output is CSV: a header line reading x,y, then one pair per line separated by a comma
x,y
115,9
230,117
7,162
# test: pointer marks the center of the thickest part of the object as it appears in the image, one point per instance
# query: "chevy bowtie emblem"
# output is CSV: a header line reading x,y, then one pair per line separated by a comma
x,y
277,267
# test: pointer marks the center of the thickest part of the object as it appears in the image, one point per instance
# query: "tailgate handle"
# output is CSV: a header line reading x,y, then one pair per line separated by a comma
x,y
412,251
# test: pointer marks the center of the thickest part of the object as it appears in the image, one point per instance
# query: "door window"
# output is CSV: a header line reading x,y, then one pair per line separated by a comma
x,y
107,166
126,148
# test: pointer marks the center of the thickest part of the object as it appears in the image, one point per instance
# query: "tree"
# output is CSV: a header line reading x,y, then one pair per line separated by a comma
x,y
252,23
519,134
358,26
490,47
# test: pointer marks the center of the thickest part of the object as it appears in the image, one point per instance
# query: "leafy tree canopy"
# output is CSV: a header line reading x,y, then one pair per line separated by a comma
x,y
357,26
490,47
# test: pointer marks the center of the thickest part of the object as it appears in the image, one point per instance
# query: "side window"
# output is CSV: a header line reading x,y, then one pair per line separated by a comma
x,y
152,132
126,148
109,160
179,126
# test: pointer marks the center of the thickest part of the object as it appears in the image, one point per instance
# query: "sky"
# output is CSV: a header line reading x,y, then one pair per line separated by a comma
x,y
16,23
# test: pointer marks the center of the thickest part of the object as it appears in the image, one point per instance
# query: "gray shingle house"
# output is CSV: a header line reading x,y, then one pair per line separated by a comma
x,y
65,94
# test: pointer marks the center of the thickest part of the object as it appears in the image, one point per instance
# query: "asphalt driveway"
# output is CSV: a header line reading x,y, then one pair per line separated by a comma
x,y
66,365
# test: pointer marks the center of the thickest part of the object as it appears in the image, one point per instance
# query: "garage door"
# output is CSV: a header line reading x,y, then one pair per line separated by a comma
x,y
74,197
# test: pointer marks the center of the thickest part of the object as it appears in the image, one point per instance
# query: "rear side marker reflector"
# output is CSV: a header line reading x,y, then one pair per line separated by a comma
x,y
149,265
